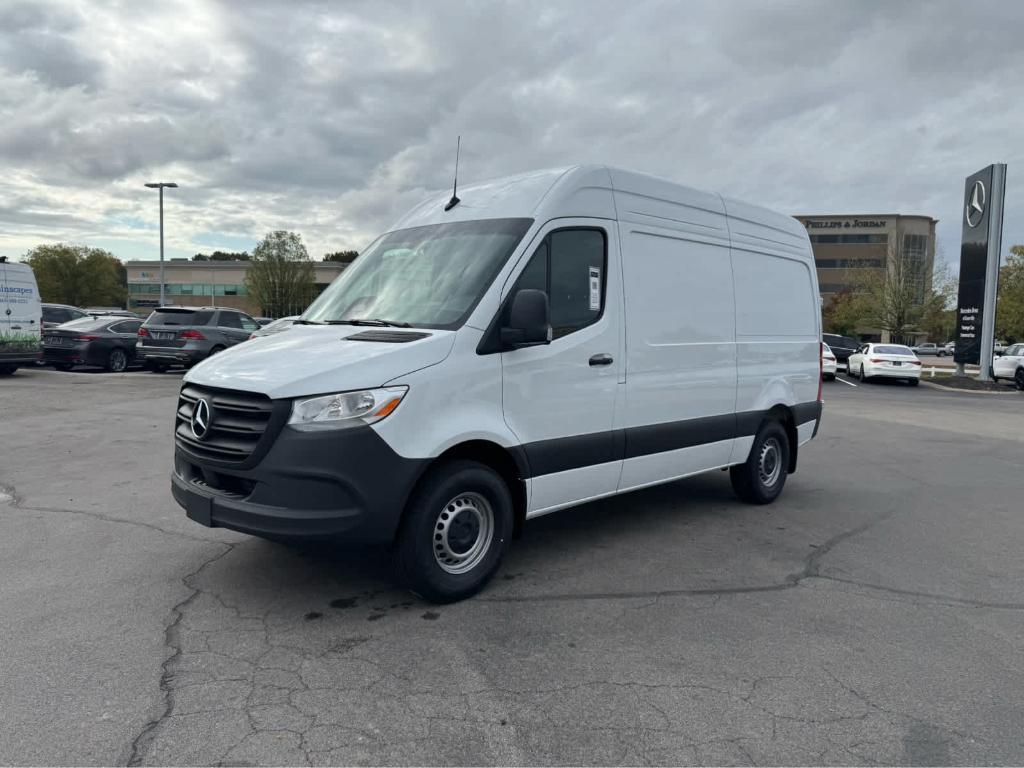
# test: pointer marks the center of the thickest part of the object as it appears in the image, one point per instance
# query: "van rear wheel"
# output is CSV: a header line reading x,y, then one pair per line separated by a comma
x,y
455,532
759,480
8,369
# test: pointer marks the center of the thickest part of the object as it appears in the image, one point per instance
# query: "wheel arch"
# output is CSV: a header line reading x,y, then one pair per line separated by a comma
x,y
509,464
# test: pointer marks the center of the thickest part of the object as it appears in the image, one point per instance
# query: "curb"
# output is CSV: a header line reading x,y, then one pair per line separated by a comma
x,y
967,391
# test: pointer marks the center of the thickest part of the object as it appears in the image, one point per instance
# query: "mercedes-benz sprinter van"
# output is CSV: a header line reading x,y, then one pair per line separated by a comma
x,y
549,339
21,317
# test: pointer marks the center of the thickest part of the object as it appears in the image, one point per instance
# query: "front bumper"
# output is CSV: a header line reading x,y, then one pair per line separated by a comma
x,y
345,484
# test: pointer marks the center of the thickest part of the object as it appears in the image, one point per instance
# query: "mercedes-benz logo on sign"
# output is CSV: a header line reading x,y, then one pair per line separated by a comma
x,y
976,205
201,418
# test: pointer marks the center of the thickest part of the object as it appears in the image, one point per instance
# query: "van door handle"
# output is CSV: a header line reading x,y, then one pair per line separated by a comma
x,y
602,359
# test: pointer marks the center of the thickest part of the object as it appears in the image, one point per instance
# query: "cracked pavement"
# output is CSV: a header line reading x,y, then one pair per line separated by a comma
x,y
874,615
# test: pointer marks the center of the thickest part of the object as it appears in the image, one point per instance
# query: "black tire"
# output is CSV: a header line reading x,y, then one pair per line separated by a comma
x,y
8,369
117,362
447,518
215,350
830,377
1018,379
862,377
156,367
760,479
913,382
63,366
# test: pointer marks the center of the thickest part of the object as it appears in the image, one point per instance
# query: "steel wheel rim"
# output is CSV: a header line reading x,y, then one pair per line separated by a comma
x,y
118,361
463,532
769,463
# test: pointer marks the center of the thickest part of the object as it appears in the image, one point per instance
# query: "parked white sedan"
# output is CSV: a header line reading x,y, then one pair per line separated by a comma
x,y
891,361
1011,365
828,362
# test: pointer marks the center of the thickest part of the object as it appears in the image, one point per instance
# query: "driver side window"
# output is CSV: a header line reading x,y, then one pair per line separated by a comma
x,y
570,267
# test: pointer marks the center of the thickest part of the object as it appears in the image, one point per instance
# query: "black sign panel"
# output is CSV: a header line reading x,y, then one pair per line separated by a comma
x,y
973,264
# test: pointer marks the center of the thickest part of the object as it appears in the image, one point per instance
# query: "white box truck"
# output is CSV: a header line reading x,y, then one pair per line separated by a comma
x,y
552,338
21,317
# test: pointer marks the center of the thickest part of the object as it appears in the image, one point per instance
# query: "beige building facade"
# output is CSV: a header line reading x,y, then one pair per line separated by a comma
x,y
846,245
205,283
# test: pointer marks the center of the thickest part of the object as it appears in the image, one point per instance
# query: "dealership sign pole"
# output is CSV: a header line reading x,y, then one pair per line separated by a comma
x,y
980,250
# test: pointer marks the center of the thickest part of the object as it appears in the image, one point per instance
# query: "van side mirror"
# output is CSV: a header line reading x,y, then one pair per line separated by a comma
x,y
529,320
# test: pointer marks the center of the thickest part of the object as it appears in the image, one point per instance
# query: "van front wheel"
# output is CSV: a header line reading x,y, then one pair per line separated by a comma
x,y
455,533
759,480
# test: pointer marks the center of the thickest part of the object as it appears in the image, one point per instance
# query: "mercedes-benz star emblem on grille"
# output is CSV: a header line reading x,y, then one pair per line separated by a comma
x,y
201,418
976,206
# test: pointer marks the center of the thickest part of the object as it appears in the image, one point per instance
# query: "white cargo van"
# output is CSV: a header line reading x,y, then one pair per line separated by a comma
x,y
21,317
552,338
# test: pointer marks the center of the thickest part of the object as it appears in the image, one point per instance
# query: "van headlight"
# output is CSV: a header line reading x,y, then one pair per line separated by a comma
x,y
345,409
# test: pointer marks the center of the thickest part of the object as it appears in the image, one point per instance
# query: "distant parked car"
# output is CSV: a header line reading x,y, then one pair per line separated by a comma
x,y
1011,366
842,346
107,341
187,335
929,348
58,314
275,327
1000,347
891,361
949,347
828,363
97,311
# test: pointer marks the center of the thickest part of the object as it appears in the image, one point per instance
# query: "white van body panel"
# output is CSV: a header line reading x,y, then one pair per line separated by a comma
x,y
778,318
449,404
20,313
680,326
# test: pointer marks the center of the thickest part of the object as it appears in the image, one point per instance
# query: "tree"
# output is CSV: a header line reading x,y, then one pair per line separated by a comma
x,y
895,296
346,257
222,256
281,279
1010,309
78,275
938,311
844,313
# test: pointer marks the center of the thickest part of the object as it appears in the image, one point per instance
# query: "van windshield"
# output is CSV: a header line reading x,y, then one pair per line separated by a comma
x,y
428,277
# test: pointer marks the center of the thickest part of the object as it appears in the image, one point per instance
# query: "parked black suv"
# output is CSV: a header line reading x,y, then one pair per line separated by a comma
x,y
842,346
187,335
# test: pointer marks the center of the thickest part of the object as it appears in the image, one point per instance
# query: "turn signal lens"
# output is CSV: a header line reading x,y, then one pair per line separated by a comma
x,y
191,335
143,333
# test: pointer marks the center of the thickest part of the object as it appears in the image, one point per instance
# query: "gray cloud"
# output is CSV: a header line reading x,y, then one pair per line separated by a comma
x,y
331,118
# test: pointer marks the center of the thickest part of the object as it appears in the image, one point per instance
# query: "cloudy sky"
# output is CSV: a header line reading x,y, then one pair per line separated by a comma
x,y
331,118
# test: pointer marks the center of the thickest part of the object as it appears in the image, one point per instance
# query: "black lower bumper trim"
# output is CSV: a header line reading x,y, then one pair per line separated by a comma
x,y
338,484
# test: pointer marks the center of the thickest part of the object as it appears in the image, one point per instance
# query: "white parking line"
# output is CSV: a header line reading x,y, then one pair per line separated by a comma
x,y
846,382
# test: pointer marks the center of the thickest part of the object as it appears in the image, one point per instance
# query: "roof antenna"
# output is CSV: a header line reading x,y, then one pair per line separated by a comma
x,y
455,186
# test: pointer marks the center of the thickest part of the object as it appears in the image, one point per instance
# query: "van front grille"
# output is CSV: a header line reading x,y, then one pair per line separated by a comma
x,y
237,424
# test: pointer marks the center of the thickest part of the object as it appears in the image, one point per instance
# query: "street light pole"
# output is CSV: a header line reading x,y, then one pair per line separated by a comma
x,y
160,185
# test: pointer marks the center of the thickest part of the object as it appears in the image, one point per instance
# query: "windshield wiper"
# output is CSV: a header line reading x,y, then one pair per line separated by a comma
x,y
306,322
369,321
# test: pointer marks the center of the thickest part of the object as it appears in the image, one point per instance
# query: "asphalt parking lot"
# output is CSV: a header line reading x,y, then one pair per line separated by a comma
x,y
874,614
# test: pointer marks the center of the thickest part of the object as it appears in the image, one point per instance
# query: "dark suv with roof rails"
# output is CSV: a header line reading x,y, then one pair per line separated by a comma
x,y
187,335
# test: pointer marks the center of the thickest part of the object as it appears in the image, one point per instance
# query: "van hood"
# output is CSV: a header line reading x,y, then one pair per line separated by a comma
x,y
313,360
